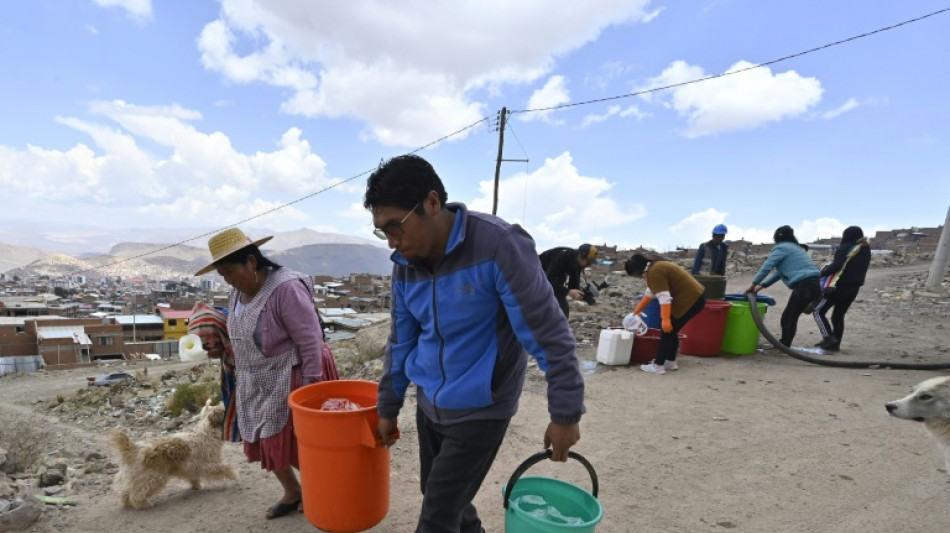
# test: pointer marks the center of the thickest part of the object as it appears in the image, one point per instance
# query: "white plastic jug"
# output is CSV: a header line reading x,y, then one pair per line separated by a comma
x,y
614,347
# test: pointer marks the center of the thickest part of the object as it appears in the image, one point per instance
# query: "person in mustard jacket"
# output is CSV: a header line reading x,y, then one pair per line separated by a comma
x,y
681,298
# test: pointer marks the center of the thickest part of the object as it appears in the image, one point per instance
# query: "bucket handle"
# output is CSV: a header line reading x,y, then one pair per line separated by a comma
x,y
546,454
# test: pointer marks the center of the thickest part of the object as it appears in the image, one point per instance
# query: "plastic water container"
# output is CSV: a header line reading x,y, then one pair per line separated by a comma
x,y
645,346
741,335
714,285
704,332
344,467
652,314
564,507
614,347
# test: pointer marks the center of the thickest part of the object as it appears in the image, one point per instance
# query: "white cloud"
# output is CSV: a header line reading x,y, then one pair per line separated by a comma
x,y
569,208
806,231
614,111
137,9
736,102
413,71
845,107
186,174
553,94
819,228
697,227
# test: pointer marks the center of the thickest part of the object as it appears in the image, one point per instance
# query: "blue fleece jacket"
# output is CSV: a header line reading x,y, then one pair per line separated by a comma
x,y
791,264
461,333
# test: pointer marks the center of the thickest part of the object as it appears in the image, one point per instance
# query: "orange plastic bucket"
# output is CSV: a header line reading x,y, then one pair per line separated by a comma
x,y
344,468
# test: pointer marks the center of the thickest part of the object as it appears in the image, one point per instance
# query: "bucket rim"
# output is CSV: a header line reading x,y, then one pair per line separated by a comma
x,y
294,402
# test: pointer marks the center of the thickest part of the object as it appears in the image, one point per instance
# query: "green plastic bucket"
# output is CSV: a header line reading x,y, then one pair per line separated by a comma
x,y
742,335
547,505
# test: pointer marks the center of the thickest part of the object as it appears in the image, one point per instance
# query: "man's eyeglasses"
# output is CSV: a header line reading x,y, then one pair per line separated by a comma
x,y
393,229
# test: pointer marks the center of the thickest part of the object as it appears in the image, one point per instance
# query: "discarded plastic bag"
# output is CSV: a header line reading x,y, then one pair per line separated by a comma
x,y
340,404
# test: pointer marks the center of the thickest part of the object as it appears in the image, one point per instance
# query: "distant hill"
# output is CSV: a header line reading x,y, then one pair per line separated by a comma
x,y
336,259
285,240
151,250
163,261
334,254
14,256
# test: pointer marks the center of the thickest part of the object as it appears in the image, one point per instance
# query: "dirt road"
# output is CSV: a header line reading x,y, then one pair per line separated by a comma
x,y
749,443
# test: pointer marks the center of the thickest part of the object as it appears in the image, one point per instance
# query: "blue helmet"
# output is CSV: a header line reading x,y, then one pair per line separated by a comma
x,y
720,229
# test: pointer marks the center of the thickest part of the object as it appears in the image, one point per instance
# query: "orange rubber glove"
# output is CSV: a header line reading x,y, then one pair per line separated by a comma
x,y
667,324
644,302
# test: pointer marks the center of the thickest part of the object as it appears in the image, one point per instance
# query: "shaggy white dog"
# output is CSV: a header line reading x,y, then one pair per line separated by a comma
x,y
930,404
146,467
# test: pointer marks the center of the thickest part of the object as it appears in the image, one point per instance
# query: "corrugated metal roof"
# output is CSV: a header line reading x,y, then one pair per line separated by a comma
x,y
139,320
336,311
76,333
21,320
174,313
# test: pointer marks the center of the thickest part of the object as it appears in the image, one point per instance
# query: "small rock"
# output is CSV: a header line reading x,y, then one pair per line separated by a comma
x,y
51,477
20,518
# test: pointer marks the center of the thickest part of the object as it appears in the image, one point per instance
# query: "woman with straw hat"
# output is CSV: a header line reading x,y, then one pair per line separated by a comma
x,y
278,346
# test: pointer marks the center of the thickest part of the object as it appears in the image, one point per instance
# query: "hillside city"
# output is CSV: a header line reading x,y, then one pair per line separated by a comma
x,y
69,320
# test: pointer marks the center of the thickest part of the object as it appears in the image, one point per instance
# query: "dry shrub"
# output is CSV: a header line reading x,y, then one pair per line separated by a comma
x,y
25,442
191,397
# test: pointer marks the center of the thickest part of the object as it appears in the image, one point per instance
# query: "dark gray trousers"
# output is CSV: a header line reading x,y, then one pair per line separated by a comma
x,y
454,460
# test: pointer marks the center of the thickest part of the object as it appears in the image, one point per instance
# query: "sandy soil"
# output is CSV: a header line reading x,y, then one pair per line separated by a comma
x,y
749,443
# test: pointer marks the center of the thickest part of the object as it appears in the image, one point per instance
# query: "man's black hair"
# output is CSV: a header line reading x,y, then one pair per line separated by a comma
x,y
402,181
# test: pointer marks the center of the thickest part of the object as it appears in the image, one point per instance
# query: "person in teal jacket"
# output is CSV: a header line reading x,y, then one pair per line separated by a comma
x,y
797,270
469,302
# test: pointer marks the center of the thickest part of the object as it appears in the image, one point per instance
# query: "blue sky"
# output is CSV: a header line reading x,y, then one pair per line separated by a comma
x,y
140,118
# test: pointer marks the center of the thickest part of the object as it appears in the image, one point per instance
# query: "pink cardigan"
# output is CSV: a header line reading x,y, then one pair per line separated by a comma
x,y
289,319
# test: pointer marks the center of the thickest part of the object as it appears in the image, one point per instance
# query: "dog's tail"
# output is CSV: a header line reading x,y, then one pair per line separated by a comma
x,y
120,441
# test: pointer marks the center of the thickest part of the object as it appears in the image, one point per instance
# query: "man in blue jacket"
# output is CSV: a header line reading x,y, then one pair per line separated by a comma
x,y
469,301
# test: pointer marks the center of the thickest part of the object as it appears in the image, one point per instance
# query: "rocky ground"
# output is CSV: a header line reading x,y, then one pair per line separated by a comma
x,y
747,443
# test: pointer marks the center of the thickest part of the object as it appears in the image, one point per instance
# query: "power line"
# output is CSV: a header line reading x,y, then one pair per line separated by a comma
x,y
487,120
277,208
724,74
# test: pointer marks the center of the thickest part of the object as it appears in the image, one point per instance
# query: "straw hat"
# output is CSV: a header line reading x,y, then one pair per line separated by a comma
x,y
226,243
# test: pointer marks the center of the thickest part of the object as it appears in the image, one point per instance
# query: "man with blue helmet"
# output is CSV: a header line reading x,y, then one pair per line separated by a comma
x,y
711,256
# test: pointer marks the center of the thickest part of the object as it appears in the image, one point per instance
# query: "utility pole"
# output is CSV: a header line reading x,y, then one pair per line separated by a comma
x,y
502,117
501,143
941,257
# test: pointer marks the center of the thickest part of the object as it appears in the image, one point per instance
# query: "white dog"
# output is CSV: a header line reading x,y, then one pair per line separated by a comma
x,y
146,467
930,404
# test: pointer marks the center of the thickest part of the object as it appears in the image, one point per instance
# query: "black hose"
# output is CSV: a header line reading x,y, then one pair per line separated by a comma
x,y
828,362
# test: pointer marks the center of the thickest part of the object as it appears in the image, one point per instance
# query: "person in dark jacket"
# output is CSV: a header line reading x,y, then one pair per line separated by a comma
x,y
711,256
469,303
850,263
563,267
795,268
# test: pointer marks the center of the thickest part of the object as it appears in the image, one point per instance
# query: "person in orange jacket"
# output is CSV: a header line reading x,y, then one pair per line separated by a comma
x,y
681,298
